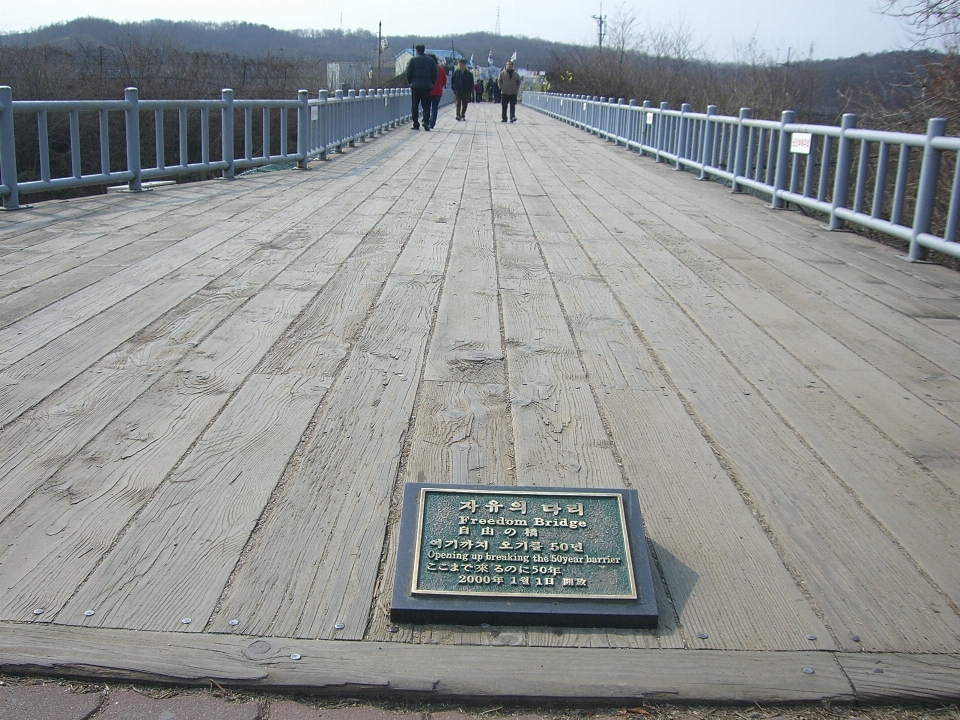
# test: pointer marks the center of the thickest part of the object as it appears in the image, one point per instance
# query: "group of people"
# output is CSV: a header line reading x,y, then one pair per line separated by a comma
x,y
493,91
427,79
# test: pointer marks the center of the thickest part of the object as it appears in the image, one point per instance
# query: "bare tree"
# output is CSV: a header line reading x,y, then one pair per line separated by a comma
x,y
929,19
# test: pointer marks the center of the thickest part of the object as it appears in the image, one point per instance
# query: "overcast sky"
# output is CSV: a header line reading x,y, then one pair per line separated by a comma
x,y
832,28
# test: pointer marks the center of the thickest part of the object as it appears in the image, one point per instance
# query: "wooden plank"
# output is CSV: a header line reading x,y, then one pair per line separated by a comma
x,y
34,448
559,436
922,428
21,338
36,376
41,441
312,566
165,436
901,677
228,477
55,538
884,479
434,672
670,462
212,203
461,431
176,555
17,395
761,448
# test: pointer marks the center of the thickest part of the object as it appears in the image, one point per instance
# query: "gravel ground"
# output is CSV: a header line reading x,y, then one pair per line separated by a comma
x,y
26,698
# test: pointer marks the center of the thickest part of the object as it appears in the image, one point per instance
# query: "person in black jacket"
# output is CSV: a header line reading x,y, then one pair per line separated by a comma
x,y
421,75
462,85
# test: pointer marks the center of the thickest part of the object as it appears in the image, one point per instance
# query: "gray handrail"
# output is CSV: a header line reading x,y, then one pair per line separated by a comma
x,y
811,166
323,124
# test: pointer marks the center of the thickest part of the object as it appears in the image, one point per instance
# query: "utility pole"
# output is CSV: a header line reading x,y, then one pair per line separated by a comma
x,y
601,22
382,44
497,30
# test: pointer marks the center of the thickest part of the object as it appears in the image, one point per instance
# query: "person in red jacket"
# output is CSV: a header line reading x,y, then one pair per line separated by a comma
x,y
437,92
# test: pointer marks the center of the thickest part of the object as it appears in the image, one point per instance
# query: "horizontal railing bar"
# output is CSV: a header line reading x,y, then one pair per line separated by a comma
x,y
71,182
169,170
35,106
932,242
181,104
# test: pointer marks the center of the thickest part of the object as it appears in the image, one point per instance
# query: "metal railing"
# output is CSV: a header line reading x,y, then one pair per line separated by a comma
x,y
325,124
893,176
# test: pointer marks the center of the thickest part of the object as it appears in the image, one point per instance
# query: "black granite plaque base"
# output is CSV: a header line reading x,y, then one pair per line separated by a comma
x,y
475,554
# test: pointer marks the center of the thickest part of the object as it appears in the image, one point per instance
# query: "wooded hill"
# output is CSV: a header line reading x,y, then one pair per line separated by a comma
x,y
92,57
258,40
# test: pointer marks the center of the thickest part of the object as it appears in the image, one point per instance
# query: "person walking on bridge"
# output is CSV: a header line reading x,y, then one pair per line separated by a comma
x,y
509,84
421,75
436,94
462,85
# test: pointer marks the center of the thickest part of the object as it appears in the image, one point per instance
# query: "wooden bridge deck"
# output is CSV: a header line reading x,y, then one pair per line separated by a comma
x,y
211,395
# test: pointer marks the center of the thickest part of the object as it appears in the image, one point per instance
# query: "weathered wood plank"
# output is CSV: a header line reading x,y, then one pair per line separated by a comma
x,y
461,429
440,672
670,462
17,394
559,436
761,448
32,449
313,566
921,428
202,392
212,501
885,479
56,538
901,677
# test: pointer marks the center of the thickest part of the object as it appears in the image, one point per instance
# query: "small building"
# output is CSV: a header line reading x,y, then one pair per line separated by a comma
x,y
347,75
448,58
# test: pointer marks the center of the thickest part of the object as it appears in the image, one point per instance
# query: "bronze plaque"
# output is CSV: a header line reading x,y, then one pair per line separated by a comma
x,y
475,554
503,542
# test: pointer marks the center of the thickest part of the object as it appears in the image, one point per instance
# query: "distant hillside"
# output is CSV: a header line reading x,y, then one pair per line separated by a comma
x,y
92,57
257,40
892,78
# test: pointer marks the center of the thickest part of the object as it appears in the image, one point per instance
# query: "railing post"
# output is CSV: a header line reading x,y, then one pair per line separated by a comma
x,y
661,129
927,191
631,118
682,139
783,159
8,149
740,159
322,123
350,118
226,132
133,137
841,180
303,128
643,124
621,116
709,135
359,114
341,120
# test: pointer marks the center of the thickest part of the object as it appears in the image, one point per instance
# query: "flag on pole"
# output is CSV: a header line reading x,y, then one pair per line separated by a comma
x,y
471,59
513,58
490,58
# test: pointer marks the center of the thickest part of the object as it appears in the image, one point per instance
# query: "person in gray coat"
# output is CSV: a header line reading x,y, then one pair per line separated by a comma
x,y
509,84
421,75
